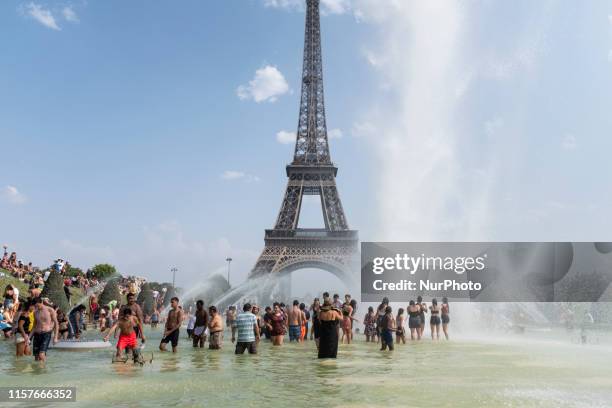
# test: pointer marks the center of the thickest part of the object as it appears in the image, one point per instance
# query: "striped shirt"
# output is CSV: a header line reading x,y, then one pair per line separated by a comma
x,y
244,325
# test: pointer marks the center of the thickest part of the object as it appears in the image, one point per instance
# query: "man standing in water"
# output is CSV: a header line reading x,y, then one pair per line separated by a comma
x,y
136,312
46,326
201,320
173,324
248,331
215,327
295,317
127,337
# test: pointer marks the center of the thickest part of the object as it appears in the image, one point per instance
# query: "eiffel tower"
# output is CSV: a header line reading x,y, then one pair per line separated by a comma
x,y
287,247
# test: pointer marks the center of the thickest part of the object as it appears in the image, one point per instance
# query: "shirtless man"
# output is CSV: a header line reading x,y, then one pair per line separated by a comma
x,y
136,312
127,334
201,320
295,318
173,324
215,327
46,327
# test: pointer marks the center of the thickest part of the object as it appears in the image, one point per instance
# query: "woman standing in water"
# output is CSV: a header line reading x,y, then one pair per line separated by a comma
x,y
388,328
354,306
22,336
401,330
380,314
369,321
347,323
434,321
414,320
277,325
423,307
329,318
445,316
316,324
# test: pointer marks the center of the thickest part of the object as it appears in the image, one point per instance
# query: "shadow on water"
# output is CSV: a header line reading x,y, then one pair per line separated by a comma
x,y
127,369
26,365
170,364
198,359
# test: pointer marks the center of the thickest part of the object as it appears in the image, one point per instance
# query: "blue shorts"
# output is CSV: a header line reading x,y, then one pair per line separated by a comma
x,y
387,337
295,332
41,342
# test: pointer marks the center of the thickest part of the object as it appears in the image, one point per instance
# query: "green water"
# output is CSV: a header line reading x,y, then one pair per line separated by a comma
x,y
459,373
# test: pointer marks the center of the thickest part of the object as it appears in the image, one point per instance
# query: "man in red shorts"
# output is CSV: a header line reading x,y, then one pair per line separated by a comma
x,y
127,336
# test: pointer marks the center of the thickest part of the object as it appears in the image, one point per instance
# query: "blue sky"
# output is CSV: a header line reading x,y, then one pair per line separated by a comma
x,y
146,134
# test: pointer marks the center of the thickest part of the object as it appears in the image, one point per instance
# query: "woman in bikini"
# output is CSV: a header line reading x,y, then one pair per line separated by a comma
x,y
62,320
347,323
434,320
445,316
423,307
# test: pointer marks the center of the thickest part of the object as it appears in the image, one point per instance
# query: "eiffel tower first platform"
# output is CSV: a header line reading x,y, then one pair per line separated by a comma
x,y
287,247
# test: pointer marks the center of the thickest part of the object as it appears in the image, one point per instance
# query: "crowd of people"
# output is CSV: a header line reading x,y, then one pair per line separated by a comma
x,y
328,323
35,322
16,267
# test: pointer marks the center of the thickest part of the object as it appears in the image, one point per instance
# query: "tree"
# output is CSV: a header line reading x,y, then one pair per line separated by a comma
x,y
146,300
54,290
103,271
72,271
213,287
110,293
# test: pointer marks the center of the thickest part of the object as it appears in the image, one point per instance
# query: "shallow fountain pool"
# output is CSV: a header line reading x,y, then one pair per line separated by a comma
x,y
459,373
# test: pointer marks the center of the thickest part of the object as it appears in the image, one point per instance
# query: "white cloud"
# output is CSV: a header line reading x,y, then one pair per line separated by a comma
x,y
286,4
373,59
569,142
610,55
285,137
267,85
239,175
42,15
70,15
335,6
334,134
13,195
363,129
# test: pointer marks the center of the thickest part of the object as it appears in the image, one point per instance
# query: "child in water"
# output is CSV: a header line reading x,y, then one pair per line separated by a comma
x,y
401,330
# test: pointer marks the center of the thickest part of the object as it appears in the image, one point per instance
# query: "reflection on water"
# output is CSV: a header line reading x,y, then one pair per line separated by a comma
x,y
459,373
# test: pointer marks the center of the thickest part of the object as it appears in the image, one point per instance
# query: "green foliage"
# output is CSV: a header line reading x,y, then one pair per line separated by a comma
x,y
72,271
54,290
103,271
110,293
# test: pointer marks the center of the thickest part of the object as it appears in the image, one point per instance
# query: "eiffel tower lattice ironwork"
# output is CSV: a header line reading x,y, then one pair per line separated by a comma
x,y
312,172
